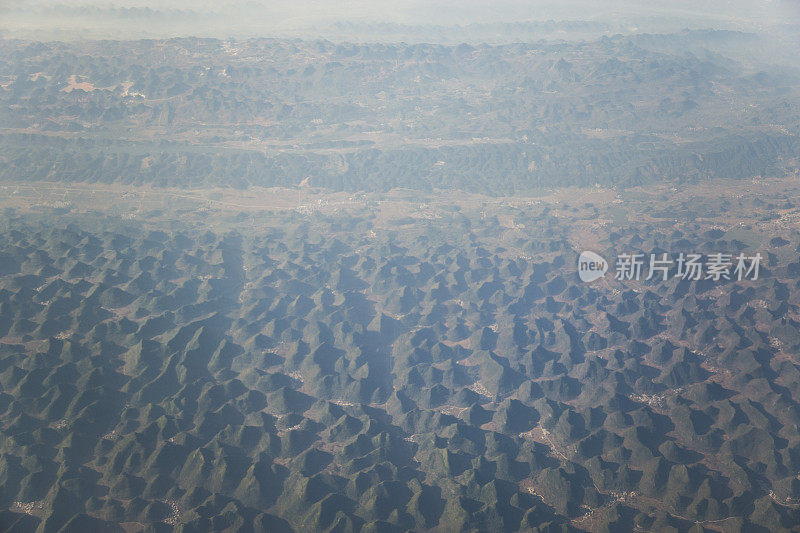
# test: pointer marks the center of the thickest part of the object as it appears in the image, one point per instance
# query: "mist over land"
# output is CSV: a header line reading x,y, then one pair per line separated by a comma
x,y
313,266
412,20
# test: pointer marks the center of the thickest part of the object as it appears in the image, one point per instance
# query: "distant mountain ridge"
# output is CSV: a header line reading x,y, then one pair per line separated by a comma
x,y
509,119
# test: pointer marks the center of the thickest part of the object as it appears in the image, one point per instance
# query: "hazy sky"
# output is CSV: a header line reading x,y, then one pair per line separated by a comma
x,y
264,17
